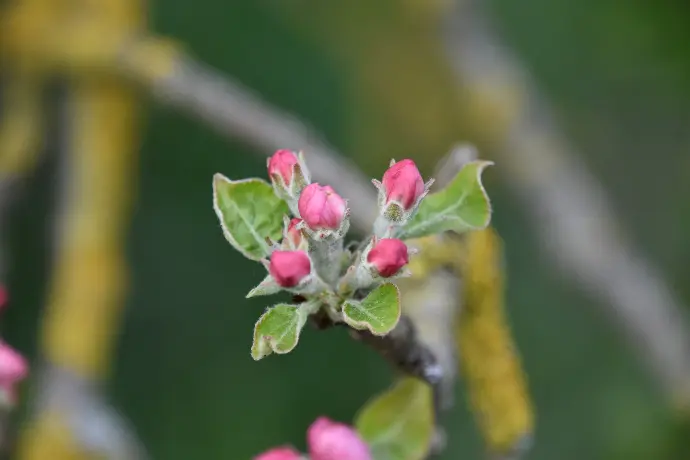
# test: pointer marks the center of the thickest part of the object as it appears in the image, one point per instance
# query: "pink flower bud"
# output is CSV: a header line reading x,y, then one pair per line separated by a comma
x,y
280,453
329,440
403,183
281,164
294,235
388,256
4,297
13,366
321,207
288,268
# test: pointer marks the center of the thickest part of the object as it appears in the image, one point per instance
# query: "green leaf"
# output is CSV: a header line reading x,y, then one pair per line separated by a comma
x,y
399,424
461,206
249,212
379,311
278,330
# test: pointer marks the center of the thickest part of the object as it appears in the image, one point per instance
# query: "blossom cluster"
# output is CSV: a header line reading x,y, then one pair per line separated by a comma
x,y
323,218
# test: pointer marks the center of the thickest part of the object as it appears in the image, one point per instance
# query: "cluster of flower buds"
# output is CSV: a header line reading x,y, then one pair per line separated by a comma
x,y
295,264
13,367
401,191
326,440
310,254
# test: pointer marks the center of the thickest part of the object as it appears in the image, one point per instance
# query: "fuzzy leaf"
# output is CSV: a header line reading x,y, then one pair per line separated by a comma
x,y
267,287
379,311
249,212
278,330
399,423
461,206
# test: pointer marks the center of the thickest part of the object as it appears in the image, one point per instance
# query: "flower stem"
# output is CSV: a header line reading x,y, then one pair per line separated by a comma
x,y
326,256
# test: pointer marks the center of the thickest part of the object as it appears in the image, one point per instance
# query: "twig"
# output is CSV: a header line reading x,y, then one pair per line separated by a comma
x,y
407,354
97,427
239,114
570,211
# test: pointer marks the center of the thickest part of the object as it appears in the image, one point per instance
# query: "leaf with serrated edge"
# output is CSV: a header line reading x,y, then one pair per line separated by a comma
x,y
278,330
249,211
379,312
461,206
399,423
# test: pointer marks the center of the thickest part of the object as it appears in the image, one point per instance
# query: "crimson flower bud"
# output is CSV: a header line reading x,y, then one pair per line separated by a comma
x,y
4,296
329,440
289,268
293,234
280,453
403,183
321,207
281,165
13,366
388,256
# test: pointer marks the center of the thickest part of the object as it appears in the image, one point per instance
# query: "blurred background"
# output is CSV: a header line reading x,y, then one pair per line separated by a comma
x,y
606,84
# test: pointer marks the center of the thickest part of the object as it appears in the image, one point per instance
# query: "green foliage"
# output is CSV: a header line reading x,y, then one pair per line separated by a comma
x,y
461,206
249,212
379,312
278,330
399,423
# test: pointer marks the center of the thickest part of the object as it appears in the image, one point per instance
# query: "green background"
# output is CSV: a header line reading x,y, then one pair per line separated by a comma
x,y
618,75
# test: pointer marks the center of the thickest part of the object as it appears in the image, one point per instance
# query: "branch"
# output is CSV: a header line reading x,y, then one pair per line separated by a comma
x,y
237,113
234,111
97,428
407,354
570,210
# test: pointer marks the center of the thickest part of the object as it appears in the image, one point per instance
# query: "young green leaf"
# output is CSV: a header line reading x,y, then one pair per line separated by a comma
x,y
278,330
379,311
399,424
249,212
461,206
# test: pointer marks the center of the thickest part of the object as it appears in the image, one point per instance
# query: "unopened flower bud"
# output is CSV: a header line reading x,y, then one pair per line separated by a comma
x,y
321,207
289,268
4,297
403,184
329,440
13,366
388,256
281,165
293,233
280,453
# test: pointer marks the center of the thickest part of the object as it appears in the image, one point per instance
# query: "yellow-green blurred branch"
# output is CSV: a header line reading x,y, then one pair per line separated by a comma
x,y
76,42
89,281
569,206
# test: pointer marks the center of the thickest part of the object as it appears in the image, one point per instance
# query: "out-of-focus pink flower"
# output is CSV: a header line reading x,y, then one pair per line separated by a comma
x,y
321,207
13,369
293,234
388,256
13,366
4,296
329,440
403,183
281,164
288,268
280,453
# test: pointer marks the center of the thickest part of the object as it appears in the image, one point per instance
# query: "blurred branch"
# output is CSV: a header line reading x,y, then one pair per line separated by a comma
x,y
238,113
568,205
71,418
